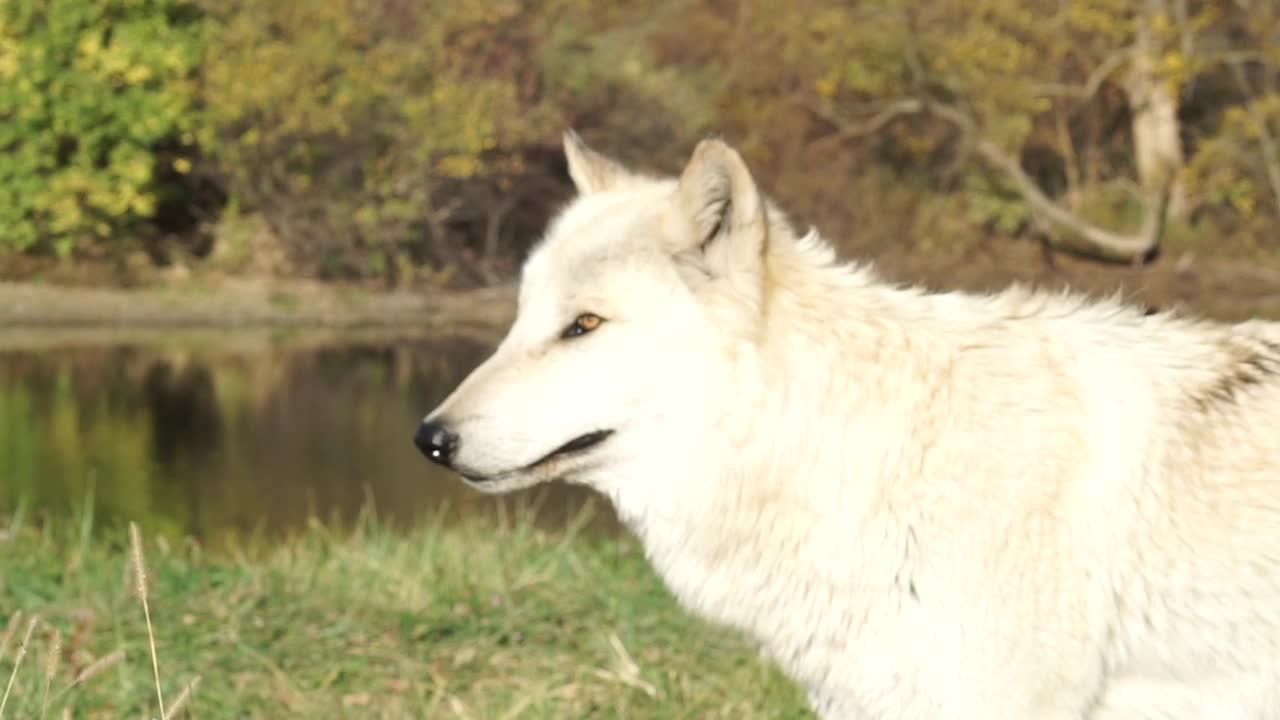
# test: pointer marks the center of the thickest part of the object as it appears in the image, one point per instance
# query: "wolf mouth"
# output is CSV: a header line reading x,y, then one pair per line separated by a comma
x,y
576,445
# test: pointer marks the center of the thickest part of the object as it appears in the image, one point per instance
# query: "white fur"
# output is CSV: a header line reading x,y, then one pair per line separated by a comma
x,y
920,505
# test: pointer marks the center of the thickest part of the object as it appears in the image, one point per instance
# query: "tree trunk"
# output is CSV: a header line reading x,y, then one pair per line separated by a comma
x,y
1157,143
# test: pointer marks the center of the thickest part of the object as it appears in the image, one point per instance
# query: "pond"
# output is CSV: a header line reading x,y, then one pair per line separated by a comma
x,y
232,435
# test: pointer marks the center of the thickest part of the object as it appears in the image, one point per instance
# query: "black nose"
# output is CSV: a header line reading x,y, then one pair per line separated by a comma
x,y
437,443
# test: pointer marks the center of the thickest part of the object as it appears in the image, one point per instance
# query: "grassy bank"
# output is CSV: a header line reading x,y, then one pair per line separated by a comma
x,y
482,620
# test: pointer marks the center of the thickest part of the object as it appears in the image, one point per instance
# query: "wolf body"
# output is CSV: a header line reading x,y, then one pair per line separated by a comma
x,y
921,505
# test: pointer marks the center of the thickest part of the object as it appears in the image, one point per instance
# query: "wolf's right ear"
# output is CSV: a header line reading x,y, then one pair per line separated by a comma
x,y
591,171
727,216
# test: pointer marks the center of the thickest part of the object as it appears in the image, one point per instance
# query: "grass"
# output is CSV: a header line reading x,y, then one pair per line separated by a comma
x,y
483,620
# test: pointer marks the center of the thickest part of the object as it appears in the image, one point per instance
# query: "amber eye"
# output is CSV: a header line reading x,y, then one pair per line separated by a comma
x,y
581,325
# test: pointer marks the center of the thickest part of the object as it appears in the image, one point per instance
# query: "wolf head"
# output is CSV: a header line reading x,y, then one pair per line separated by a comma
x,y
632,313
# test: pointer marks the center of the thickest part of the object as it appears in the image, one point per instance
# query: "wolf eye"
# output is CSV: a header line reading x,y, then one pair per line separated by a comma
x,y
581,325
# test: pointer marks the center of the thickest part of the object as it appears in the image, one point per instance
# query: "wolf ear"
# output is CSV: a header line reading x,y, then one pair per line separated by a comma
x,y
591,171
726,213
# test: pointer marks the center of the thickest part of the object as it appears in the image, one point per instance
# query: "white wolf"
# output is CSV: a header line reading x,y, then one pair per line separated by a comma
x,y
920,505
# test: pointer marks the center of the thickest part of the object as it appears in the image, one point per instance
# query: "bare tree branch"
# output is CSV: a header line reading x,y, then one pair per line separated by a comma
x,y
1083,236
1236,56
911,53
1270,158
846,130
1185,33
1067,147
1093,83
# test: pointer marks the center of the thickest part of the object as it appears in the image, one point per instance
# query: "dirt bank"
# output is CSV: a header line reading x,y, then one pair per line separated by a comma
x,y
234,303
1223,287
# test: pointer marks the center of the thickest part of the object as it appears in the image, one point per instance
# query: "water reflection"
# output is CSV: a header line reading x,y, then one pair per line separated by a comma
x,y
226,434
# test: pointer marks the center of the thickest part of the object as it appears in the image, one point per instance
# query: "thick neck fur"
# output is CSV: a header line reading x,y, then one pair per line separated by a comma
x,y
811,512
744,533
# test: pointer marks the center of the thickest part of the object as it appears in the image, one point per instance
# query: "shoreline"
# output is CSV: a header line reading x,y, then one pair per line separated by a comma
x,y
38,314
1222,289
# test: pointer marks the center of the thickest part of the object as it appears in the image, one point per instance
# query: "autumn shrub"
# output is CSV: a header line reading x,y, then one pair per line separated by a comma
x,y
97,108
343,122
628,75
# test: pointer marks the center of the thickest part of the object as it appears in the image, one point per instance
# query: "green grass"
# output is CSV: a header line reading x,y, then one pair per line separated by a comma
x,y
482,620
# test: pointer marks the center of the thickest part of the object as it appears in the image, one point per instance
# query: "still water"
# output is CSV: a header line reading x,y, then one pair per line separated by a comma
x,y
237,434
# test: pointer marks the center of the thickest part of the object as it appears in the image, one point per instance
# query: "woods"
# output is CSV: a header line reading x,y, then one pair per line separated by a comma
x,y
416,142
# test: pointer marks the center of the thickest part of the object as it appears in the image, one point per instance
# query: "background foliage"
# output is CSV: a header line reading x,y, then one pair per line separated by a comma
x,y
97,109
417,141
364,121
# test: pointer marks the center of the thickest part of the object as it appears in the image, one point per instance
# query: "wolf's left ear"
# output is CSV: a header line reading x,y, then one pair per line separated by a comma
x,y
727,215
591,171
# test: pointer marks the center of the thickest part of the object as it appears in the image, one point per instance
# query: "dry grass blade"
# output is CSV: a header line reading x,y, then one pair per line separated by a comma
x,y
51,669
140,575
458,707
94,669
99,666
629,671
183,697
17,661
14,621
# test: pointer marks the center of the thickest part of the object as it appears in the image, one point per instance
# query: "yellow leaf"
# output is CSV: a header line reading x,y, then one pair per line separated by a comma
x,y
90,43
137,74
827,86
